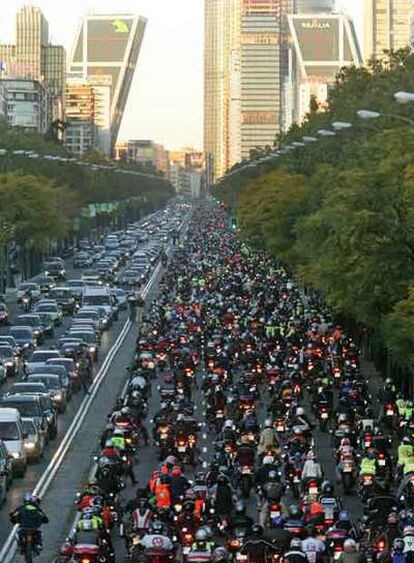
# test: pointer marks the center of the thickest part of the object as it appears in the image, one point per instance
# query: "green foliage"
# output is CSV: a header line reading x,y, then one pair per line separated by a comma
x,y
341,210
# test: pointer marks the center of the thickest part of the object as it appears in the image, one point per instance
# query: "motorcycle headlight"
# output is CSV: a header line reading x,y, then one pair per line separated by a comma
x,y
92,349
16,455
30,445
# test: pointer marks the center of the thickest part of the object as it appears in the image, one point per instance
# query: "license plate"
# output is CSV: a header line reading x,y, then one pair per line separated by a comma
x,y
163,436
313,490
296,479
219,415
280,428
324,415
186,550
246,470
274,513
241,557
381,462
181,448
390,413
347,469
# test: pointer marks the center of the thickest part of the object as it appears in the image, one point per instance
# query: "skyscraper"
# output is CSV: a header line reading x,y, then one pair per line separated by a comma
x,y
244,64
386,26
33,57
313,6
107,47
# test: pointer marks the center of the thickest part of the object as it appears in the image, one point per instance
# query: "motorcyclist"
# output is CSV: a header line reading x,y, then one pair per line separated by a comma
x,y
179,484
313,547
256,544
268,465
239,518
295,554
272,491
29,516
311,469
222,496
405,451
368,465
268,438
350,553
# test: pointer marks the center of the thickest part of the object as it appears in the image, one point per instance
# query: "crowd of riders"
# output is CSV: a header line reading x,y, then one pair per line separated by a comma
x,y
250,376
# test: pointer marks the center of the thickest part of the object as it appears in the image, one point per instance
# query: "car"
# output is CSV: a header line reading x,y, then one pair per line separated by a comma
x,y
24,387
64,298
90,338
37,406
120,297
45,283
82,260
55,270
34,322
48,323
128,278
92,279
51,369
10,360
8,340
54,388
6,471
50,306
13,435
100,297
3,371
92,315
39,357
77,287
31,289
70,367
24,337
34,442
72,347
4,314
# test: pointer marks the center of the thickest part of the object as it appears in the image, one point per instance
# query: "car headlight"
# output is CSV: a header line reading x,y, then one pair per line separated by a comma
x,y
105,321
29,445
92,349
36,332
16,455
49,418
26,345
46,273
9,364
57,396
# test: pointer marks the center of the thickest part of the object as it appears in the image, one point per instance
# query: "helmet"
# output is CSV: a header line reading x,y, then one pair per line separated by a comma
x,y
268,423
327,488
272,475
157,527
176,472
125,410
388,381
296,544
171,460
30,498
239,507
228,423
294,511
406,440
278,522
300,411
343,515
220,554
268,459
257,529
222,478
310,455
398,544
345,442
392,518
109,444
201,535
350,545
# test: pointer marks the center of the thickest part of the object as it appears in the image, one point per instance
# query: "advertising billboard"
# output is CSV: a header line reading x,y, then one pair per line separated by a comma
x,y
107,39
318,38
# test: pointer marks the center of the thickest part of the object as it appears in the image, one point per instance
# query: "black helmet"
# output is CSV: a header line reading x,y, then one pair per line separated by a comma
x,y
239,507
327,488
222,478
257,529
382,485
294,511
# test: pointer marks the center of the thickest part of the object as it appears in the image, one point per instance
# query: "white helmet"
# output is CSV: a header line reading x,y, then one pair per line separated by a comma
x,y
268,423
268,459
300,411
228,423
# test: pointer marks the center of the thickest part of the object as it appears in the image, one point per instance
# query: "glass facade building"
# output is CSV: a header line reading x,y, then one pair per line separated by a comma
x,y
313,6
106,49
386,26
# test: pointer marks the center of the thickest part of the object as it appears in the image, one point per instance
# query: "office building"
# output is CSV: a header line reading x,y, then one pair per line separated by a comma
x,y
106,49
386,26
145,152
25,104
322,44
188,157
33,57
80,134
313,6
245,62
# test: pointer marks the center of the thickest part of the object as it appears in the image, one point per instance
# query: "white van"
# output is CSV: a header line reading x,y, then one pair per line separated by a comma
x,y
13,435
100,297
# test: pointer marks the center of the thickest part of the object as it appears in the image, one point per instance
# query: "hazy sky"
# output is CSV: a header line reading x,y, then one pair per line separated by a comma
x,y
166,97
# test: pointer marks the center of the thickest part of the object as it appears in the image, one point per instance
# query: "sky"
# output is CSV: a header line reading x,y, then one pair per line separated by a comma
x,y
166,97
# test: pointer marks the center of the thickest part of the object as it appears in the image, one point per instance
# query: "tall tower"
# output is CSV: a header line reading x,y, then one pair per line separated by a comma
x,y
386,26
105,53
32,33
222,83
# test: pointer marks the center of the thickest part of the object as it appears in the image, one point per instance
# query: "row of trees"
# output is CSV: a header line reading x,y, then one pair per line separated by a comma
x,y
340,211
42,200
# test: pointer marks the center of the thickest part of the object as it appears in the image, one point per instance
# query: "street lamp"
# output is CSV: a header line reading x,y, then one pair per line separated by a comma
x,y
404,97
309,139
339,125
298,144
326,133
368,114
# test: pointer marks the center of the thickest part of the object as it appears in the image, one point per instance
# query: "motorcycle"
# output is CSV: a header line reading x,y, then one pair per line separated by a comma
x,y
246,479
28,542
322,414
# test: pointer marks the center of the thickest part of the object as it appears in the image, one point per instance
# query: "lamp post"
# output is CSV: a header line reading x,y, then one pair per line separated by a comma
x,y
404,97
369,114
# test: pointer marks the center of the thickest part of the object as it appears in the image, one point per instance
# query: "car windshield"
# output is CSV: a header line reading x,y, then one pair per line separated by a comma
x,y
25,408
48,382
88,337
29,426
6,352
40,356
9,431
27,321
46,308
21,333
97,300
60,293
